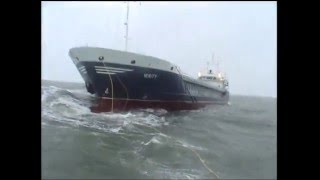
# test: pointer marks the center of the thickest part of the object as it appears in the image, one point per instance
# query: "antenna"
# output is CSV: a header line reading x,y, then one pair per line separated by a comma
x,y
217,63
212,58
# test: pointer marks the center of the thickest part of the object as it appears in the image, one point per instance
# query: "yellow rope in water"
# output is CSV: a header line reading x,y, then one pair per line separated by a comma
x,y
195,152
204,164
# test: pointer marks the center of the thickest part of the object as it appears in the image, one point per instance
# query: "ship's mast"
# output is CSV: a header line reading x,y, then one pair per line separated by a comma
x,y
127,26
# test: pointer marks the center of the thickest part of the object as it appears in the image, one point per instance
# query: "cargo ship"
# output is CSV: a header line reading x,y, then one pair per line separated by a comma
x,y
122,80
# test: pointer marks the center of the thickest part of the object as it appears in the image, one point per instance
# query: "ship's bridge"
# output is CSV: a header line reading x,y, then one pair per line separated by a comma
x,y
216,79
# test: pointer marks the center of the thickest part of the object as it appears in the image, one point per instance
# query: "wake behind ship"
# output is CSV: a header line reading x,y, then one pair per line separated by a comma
x,y
123,80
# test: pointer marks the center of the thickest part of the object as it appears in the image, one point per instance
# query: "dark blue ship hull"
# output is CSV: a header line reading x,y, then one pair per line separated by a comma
x,y
138,87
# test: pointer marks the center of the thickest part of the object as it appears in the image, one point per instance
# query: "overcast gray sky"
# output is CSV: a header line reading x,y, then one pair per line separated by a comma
x,y
242,35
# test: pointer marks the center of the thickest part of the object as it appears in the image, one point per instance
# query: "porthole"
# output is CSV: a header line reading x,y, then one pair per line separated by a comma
x,y
133,61
101,58
171,68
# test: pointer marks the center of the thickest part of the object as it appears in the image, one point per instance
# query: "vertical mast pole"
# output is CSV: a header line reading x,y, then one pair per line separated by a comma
x,y
127,26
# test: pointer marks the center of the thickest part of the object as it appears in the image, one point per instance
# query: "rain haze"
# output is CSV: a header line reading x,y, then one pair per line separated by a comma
x,y
242,36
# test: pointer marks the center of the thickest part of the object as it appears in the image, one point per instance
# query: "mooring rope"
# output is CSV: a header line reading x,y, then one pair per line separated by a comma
x,y
195,152
111,88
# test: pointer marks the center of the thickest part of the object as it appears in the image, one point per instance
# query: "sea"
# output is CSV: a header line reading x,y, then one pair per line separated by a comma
x,y
235,141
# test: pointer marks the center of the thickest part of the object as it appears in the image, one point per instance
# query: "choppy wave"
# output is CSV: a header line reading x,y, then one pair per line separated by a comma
x,y
166,145
72,107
